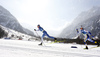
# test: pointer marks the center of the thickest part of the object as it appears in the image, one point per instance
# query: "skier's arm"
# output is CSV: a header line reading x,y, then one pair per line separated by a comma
x,y
88,32
79,33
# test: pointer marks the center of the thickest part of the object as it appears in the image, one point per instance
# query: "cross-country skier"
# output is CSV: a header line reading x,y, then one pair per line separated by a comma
x,y
87,37
44,34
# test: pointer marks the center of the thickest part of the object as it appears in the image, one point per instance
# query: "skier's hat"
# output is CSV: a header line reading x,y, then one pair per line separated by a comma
x,y
38,25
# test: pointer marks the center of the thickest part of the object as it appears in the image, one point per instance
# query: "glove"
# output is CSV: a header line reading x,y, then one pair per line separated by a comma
x,y
34,29
77,30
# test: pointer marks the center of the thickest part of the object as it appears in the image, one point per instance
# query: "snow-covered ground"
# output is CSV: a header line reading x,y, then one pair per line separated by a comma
x,y
19,48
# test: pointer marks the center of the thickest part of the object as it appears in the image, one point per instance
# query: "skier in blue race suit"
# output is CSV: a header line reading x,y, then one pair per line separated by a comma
x,y
44,34
87,37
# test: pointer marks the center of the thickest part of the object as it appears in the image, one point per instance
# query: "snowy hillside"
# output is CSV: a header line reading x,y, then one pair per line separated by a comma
x,y
9,21
90,20
18,48
12,34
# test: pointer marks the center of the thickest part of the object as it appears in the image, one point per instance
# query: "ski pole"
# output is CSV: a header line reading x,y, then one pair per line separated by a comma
x,y
37,33
78,36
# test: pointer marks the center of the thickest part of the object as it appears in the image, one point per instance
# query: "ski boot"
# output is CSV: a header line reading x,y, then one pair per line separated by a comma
x,y
98,44
40,43
86,47
55,39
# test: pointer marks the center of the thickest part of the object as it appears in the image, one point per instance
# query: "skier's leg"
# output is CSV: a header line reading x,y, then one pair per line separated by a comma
x,y
91,40
85,39
94,42
42,38
48,35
